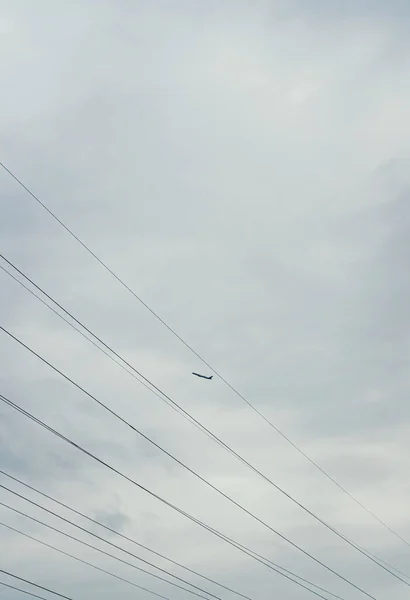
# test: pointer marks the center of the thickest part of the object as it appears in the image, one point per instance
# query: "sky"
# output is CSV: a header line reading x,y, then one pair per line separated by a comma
x,y
244,168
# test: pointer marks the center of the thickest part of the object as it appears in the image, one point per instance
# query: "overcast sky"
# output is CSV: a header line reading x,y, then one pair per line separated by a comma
x,y
244,167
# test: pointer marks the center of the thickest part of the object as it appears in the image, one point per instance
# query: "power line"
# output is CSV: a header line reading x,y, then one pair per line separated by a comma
x,y
70,508
135,373
115,557
226,496
145,589
17,589
110,543
50,429
207,364
113,358
40,587
84,562
255,517
117,533
83,529
72,537
197,424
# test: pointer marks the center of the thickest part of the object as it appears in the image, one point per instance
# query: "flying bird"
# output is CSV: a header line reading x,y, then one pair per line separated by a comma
x,y
202,376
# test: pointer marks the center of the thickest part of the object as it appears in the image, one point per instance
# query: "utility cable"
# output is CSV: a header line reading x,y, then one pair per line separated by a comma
x,y
84,562
121,535
127,581
17,589
207,364
78,330
361,549
226,496
24,412
139,376
101,539
72,537
55,529
35,585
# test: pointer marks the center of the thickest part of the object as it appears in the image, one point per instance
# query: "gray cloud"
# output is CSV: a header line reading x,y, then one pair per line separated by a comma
x,y
244,167
114,519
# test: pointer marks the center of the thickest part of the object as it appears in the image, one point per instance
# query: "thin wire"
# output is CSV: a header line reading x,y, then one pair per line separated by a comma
x,y
24,412
101,539
189,347
32,488
109,573
98,549
226,496
17,589
71,537
164,398
117,533
362,550
127,581
255,517
154,389
35,585
30,537
117,362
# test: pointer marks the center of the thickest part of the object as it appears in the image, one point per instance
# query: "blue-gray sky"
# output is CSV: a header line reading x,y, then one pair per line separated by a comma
x,y
244,166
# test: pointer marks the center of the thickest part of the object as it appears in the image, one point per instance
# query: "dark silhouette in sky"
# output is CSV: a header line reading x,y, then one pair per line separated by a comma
x,y
202,376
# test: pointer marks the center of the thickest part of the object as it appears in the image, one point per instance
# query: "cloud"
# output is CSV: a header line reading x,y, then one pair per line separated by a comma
x,y
244,168
114,519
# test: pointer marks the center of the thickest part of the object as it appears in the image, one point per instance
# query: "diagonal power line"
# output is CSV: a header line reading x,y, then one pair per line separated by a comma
x,y
156,391
140,378
17,589
208,483
131,371
262,560
67,535
149,549
67,440
194,519
200,357
35,585
121,535
84,562
26,535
